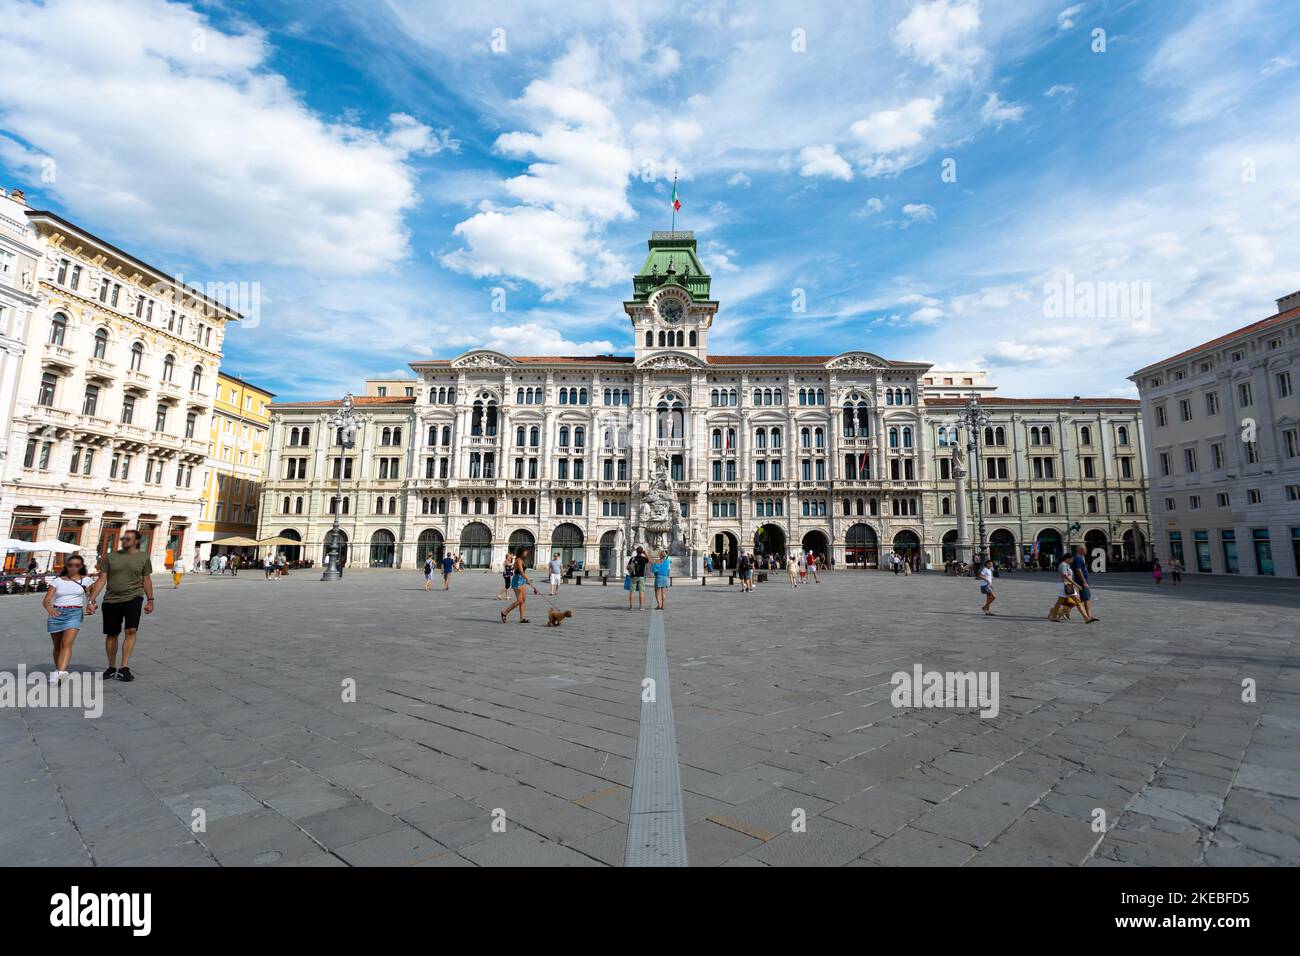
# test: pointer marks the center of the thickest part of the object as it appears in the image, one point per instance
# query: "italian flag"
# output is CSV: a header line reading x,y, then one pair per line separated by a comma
x,y
677,203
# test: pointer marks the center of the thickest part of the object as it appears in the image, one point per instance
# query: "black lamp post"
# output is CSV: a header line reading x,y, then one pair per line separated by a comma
x,y
975,418
343,424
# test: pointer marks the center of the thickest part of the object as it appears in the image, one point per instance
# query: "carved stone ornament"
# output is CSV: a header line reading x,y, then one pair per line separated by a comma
x,y
481,360
855,362
670,362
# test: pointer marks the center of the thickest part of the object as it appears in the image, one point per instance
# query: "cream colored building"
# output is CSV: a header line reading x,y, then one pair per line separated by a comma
x,y
232,484
20,255
114,394
849,455
1223,421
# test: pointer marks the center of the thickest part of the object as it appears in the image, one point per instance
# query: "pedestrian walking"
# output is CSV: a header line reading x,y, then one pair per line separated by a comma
x,y
65,603
268,566
507,572
636,567
1175,571
280,564
1157,573
448,566
986,587
178,572
556,572
662,570
428,572
746,569
811,562
1067,594
1080,565
128,589
520,584
792,570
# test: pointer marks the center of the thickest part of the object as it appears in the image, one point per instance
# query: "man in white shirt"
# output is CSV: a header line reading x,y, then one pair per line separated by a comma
x,y
555,574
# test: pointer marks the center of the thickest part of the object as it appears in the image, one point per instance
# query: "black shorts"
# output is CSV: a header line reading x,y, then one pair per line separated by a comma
x,y
121,612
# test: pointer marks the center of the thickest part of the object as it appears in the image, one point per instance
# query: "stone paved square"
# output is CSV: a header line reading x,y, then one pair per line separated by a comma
x,y
789,749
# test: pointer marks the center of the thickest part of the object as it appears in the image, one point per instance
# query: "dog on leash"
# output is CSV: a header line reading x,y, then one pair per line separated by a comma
x,y
554,617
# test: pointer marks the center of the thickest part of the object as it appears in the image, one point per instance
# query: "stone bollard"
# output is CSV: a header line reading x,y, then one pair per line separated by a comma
x,y
704,580
604,580
577,580
731,579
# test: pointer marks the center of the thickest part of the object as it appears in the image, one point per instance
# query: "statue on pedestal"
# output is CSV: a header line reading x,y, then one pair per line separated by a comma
x,y
659,520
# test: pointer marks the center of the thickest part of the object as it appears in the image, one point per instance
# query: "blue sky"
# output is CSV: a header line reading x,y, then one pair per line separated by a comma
x,y
380,169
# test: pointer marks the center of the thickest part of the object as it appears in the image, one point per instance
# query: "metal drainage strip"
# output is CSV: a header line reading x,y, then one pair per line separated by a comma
x,y
656,831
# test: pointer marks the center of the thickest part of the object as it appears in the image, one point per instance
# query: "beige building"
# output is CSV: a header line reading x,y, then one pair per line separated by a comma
x,y
110,424
848,455
1223,423
232,482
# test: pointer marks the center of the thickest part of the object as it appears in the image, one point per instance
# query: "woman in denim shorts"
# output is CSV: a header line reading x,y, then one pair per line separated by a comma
x,y
65,603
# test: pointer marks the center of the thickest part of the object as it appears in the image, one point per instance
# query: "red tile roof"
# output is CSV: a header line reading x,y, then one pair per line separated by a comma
x,y
1002,400
1260,326
356,400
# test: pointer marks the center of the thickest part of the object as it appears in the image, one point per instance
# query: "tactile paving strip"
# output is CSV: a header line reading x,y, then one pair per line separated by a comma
x,y
656,831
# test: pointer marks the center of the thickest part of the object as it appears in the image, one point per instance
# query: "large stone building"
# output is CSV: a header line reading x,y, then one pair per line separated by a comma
x,y
112,398
846,455
1223,425
20,256
232,482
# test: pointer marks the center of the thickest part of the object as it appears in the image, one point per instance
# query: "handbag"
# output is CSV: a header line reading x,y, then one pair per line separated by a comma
x,y
627,582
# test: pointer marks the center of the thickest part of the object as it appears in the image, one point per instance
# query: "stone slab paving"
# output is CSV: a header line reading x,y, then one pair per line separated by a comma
x,y
781,701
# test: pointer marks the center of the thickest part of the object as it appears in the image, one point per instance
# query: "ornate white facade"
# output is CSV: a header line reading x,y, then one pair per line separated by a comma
x,y
846,455
111,401
1223,422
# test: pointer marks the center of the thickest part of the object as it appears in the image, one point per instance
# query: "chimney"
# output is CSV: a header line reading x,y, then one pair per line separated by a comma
x,y
17,196
1288,302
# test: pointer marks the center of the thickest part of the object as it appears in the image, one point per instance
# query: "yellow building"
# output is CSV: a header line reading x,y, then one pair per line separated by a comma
x,y
232,488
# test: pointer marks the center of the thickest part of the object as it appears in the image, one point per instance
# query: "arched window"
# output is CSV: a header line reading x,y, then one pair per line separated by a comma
x,y
446,434
101,343
579,437
58,329
819,437
534,436
196,379
379,506
893,437
564,436
137,356
760,438
1085,435
1047,436
694,340
776,396
285,510
907,437
776,438
297,505
731,438
649,339
805,438
889,396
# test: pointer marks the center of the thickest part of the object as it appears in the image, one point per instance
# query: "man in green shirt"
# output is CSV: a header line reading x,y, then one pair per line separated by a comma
x,y
125,574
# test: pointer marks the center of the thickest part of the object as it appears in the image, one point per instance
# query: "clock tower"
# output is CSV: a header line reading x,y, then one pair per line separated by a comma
x,y
670,308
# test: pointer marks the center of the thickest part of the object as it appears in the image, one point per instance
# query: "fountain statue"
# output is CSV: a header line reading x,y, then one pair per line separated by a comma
x,y
659,520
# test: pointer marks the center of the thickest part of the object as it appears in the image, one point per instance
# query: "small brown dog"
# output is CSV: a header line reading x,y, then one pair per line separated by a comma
x,y
555,618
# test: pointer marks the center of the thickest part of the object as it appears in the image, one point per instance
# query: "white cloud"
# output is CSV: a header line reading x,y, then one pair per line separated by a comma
x,y
575,185
890,131
1277,64
824,161
1059,89
996,111
919,212
940,34
739,179
871,207
1066,19
156,118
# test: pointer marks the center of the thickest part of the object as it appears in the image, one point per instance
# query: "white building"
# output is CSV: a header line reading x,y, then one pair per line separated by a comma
x,y
845,455
20,255
113,394
1223,425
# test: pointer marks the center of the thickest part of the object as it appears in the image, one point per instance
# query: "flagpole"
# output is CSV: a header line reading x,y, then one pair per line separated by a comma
x,y
674,202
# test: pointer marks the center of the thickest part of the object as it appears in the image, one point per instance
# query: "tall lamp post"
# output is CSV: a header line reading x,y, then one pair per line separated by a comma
x,y
975,418
344,424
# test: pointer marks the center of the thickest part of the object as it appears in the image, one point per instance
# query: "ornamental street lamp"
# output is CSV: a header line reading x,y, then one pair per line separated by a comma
x,y
343,424
975,418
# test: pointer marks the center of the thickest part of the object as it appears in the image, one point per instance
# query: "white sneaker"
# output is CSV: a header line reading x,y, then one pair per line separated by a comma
x,y
56,676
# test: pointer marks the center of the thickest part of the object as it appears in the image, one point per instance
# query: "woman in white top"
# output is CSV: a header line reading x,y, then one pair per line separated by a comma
x,y
986,587
1067,594
65,603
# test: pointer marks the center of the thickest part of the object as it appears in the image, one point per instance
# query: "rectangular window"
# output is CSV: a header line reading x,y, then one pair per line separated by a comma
x,y
1161,420
46,394
1189,460
1283,382
1211,403
1244,396
1229,541
1253,496
1216,454
1202,541
1126,467
1185,410
90,403
1221,499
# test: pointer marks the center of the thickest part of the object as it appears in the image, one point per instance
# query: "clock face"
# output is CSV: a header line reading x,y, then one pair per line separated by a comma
x,y
670,310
